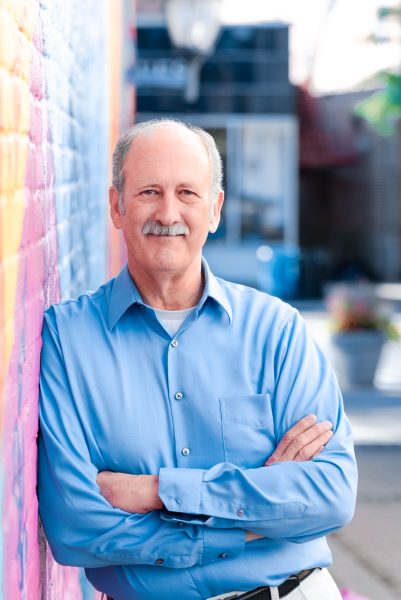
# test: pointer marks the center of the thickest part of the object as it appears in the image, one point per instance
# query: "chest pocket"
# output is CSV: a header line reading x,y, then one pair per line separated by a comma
x,y
248,429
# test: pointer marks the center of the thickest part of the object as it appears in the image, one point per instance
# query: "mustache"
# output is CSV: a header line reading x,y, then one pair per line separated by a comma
x,y
156,228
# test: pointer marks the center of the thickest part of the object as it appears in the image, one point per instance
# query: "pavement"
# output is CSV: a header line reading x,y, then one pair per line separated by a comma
x,y
367,553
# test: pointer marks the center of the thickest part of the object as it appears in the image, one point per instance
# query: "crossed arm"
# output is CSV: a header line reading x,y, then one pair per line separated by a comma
x,y
140,493
293,498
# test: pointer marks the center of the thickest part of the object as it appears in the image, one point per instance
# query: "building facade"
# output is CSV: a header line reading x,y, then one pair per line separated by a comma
x,y
247,103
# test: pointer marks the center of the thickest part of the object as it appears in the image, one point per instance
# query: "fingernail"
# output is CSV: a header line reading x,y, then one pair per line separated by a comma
x,y
328,424
313,417
270,461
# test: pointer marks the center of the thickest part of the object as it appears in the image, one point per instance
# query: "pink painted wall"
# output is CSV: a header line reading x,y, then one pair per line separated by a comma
x,y
57,120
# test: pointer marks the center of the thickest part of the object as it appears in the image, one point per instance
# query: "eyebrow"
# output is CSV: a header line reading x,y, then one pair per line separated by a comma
x,y
157,185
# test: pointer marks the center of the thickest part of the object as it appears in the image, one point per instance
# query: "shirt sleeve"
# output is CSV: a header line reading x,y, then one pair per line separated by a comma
x,y
289,500
82,527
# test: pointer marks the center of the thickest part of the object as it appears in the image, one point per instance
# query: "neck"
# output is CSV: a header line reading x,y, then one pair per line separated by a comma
x,y
169,291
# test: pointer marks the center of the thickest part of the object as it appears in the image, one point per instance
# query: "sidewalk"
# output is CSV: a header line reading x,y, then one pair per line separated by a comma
x,y
367,553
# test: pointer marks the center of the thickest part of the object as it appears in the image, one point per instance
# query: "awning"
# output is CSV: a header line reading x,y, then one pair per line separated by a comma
x,y
320,148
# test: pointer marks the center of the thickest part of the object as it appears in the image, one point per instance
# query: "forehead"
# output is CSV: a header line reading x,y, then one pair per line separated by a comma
x,y
168,148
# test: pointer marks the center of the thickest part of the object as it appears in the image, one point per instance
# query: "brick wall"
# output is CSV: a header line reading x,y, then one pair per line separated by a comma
x,y
55,119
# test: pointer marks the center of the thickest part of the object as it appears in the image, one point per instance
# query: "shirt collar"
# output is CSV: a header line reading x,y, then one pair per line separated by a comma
x,y
213,289
124,293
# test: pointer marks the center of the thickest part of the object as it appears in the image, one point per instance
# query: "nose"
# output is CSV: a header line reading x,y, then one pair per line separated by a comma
x,y
167,210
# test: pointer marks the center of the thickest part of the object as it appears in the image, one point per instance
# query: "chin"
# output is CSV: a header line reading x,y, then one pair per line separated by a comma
x,y
167,260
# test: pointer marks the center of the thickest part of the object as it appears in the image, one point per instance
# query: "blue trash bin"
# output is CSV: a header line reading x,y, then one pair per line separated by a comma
x,y
279,269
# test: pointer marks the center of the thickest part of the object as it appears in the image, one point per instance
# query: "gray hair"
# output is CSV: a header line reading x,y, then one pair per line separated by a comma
x,y
124,144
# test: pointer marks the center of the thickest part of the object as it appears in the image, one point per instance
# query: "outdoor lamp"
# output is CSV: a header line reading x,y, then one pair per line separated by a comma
x,y
193,26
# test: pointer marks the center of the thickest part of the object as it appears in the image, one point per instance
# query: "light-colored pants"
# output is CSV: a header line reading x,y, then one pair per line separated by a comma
x,y
318,586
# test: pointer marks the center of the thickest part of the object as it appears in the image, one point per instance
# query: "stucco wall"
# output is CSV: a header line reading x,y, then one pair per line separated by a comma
x,y
55,111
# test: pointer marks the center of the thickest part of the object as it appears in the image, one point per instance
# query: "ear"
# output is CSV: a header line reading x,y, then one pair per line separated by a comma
x,y
115,208
215,217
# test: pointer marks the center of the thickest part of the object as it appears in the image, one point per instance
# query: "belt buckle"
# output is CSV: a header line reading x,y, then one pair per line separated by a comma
x,y
288,586
292,582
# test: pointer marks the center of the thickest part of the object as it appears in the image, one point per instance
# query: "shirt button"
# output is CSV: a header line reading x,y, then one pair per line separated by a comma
x,y
240,512
174,343
224,555
178,396
185,451
159,561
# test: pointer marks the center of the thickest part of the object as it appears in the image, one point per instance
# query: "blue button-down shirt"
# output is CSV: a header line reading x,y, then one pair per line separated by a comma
x,y
203,410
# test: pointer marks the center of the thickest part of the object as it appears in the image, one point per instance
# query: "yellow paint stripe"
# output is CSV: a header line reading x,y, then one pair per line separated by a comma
x,y
18,20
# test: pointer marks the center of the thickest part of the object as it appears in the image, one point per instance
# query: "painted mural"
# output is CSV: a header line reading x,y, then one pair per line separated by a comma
x,y
56,127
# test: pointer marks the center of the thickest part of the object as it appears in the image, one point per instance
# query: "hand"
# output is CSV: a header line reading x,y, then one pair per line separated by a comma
x,y
132,493
304,441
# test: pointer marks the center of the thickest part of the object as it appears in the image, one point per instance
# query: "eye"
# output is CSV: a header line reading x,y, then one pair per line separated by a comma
x,y
149,192
188,193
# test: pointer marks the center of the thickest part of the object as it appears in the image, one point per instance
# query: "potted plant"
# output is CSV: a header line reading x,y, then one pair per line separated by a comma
x,y
360,326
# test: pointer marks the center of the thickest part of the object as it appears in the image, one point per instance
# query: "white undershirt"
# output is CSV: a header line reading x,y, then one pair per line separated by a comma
x,y
173,319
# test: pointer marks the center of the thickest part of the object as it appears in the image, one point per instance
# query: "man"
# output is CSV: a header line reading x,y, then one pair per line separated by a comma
x,y
164,394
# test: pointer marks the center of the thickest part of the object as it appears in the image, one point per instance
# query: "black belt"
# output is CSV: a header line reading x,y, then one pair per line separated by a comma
x,y
263,593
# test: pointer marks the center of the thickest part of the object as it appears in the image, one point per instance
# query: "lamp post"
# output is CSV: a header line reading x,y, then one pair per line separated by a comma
x,y
193,26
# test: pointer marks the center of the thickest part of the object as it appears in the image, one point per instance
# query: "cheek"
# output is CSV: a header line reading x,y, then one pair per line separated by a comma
x,y
135,219
198,221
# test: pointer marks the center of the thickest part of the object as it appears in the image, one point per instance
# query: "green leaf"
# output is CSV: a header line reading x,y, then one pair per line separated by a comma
x,y
383,108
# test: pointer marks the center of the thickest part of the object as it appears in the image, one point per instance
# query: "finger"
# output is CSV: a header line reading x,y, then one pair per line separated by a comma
x,y
318,452
301,426
300,441
310,450
310,436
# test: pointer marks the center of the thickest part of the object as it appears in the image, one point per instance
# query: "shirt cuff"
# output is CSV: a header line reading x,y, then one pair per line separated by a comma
x,y
180,489
222,544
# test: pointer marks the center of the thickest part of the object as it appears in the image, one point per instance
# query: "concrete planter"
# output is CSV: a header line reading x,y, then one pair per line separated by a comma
x,y
355,356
